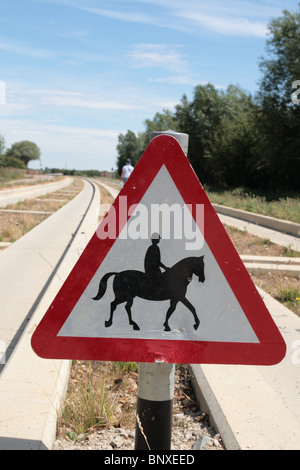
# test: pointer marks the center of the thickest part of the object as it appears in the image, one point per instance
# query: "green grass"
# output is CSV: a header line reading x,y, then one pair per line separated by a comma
x,y
290,297
88,404
290,294
126,366
284,206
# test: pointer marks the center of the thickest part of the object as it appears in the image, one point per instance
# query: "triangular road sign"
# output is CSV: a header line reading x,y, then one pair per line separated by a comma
x,y
135,295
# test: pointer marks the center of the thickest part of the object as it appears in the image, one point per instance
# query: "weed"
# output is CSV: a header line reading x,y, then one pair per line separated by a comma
x,y
289,294
96,398
126,366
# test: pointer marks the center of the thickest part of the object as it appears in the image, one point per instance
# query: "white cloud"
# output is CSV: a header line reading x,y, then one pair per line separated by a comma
x,y
24,98
231,26
23,126
157,55
131,16
17,48
233,17
179,80
87,103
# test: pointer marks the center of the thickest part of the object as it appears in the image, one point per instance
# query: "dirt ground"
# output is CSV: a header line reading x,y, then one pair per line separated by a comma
x,y
277,285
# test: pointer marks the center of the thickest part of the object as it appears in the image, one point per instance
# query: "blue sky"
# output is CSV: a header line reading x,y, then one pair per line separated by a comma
x,y
76,73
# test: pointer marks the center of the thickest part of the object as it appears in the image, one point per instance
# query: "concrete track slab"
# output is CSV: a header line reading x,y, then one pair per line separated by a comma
x,y
279,238
12,196
113,191
31,388
284,226
256,408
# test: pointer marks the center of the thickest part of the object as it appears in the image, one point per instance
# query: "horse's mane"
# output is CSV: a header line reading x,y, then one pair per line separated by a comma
x,y
186,261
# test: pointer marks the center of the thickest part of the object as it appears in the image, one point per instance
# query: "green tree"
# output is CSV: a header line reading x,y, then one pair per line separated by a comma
x,y
130,145
235,159
24,151
2,145
279,118
161,122
201,119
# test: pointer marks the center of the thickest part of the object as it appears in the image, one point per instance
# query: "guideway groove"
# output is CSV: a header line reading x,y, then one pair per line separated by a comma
x,y
32,270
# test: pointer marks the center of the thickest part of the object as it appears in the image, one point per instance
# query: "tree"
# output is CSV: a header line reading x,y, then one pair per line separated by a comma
x,y
131,146
2,145
279,118
161,122
24,151
201,119
236,139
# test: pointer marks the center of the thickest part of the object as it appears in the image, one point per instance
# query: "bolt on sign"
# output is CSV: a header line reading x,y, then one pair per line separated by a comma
x,y
160,280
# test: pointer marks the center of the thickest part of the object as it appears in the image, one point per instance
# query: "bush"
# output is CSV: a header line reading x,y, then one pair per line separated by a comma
x,y
12,162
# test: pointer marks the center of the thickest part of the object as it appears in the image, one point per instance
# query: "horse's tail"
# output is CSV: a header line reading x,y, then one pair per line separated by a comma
x,y
103,285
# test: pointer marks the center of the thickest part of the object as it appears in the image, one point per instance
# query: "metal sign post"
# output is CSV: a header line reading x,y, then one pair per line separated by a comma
x,y
156,382
154,406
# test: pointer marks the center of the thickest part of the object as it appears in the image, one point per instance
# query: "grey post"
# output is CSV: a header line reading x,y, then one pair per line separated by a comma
x,y
156,382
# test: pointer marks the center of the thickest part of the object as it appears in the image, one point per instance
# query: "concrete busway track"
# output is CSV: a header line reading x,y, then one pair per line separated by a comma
x,y
32,270
251,407
255,407
12,196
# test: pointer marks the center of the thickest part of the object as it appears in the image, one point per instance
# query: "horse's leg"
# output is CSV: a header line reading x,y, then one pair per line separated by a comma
x,y
113,307
128,310
193,310
169,313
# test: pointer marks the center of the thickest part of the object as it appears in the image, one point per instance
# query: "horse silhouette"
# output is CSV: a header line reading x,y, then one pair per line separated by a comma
x,y
171,284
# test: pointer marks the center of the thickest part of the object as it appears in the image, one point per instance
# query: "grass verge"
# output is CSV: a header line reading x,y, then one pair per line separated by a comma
x,y
286,207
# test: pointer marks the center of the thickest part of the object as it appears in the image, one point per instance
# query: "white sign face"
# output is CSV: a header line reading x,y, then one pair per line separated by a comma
x,y
206,310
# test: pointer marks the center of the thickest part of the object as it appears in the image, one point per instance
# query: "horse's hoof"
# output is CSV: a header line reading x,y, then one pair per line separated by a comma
x,y
136,327
196,326
167,328
108,323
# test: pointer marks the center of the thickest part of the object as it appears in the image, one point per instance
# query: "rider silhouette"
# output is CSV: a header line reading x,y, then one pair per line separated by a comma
x,y
153,262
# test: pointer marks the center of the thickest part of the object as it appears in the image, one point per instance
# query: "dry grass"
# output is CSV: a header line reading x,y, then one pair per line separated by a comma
x,y
285,289
104,394
17,179
100,394
14,226
248,244
105,198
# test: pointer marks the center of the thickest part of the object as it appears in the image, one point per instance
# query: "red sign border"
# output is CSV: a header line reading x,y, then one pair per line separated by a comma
x,y
271,349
